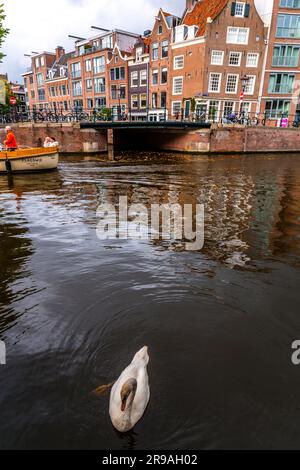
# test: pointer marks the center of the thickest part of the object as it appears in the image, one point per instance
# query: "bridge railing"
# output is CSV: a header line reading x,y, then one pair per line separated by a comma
x,y
114,114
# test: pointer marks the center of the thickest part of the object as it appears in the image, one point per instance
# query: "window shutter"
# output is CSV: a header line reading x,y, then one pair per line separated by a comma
x,y
247,10
233,5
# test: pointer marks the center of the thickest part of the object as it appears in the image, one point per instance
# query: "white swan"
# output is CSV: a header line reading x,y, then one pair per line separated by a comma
x,y
131,393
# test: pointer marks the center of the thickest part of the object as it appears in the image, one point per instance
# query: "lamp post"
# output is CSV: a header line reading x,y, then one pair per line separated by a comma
x,y
244,80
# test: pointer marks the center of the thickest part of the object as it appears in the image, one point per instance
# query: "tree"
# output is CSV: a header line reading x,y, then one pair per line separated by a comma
x,y
3,31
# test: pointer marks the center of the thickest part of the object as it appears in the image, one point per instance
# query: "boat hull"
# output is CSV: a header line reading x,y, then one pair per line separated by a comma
x,y
29,160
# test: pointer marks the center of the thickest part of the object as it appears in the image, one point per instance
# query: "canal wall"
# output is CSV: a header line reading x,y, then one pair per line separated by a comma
x,y
217,140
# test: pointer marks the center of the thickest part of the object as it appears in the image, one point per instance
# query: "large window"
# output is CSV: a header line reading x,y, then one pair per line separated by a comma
x,y
155,77
99,64
76,70
39,79
277,108
117,73
99,84
177,85
100,102
249,87
232,83
164,49
286,56
88,65
228,108
235,58
290,3
89,84
113,91
41,94
164,76
155,51
77,88
143,78
281,83
288,26
237,35
214,82
217,57
178,64
134,79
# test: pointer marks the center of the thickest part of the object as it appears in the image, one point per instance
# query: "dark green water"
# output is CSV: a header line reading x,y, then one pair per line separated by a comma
x,y
219,323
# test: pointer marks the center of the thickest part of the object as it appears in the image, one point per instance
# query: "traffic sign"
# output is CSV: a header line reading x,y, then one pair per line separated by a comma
x,y
13,100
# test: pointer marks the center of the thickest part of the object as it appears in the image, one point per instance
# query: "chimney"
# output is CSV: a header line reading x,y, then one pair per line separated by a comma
x,y
59,51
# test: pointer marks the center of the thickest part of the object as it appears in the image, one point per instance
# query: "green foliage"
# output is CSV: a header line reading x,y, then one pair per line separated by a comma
x,y
3,31
8,94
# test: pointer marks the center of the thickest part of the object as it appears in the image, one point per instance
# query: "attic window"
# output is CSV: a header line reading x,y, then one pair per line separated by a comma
x,y
160,29
240,9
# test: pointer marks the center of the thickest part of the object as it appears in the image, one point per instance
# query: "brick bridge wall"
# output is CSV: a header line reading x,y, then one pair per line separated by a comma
x,y
231,139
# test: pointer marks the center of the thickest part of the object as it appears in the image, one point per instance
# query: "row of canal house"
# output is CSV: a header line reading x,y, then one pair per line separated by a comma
x,y
220,57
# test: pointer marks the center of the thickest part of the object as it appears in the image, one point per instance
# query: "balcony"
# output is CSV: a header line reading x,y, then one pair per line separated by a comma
x,y
285,61
288,33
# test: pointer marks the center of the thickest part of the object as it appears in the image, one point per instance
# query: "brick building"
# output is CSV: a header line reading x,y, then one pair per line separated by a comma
x,y
280,92
138,75
57,82
218,43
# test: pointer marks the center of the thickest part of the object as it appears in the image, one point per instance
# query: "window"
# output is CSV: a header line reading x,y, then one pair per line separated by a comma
x,y
232,83
143,78
117,73
288,26
176,108
65,106
281,83
122,92
99,64
246,108
252,59
63,90
100,102
237,35
52,91
277,108
134,101
160,29
239,9
76,70
42,61
41,94
177,85
214,82
155,51
99,85
88,65
163,99
164,49
39,79
235,59
138,54
178,64
134,79
249,87
143,101
290,3
62,72
114,92
37,62
217,57
31,79
155,77
164,76
32,94
286,56
228,108
89,84
90,103
77,88
154,100
213,110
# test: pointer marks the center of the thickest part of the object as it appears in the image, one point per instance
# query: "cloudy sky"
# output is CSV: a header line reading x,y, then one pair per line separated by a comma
x,y
38,25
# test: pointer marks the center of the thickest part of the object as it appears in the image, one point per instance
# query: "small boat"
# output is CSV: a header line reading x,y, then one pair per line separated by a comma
x,y
30,159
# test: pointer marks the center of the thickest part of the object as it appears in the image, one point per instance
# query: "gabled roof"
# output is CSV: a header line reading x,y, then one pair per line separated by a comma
x,y
62,62
201,12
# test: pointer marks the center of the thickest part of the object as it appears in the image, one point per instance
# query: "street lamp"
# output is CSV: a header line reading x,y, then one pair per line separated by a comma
x,y
245,81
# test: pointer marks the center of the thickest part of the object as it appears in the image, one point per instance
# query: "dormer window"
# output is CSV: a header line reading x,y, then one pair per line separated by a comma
x,y
139,53
62,72
51,74
240,9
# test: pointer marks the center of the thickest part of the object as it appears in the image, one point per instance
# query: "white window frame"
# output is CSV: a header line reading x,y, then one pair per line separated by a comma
x,y
243,4
155,72
253,85
219,54
176,59
180,106
141,99
174,85
219,82
132,99
240,59
164,69
236,83
143,74
257,58
134,76
237,34
88,65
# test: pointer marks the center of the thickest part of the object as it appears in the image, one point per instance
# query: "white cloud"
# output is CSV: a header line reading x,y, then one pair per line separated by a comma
x,y
38,25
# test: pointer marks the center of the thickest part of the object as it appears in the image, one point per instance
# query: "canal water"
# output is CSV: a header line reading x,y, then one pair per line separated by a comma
x,y
219,323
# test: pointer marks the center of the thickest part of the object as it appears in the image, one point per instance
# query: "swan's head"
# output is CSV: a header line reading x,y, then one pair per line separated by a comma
x,y
128,391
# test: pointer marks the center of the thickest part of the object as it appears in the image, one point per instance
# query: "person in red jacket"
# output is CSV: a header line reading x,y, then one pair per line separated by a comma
x,y
10,142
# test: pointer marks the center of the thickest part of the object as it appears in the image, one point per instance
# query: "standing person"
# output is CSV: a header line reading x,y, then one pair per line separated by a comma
x,y
11,141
